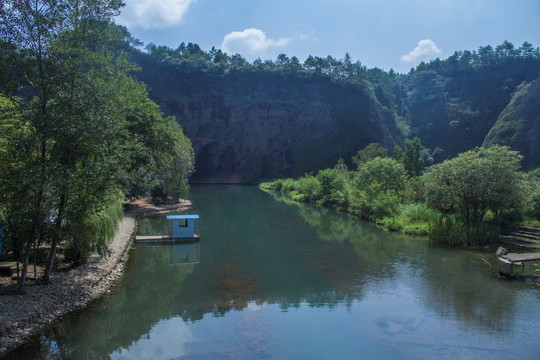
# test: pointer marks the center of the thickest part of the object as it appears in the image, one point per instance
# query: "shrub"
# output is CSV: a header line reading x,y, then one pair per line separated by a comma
x,y
450,230
310,187
446,229
273,185
414,190
287,186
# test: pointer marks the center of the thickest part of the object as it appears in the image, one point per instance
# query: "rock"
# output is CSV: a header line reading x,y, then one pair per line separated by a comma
x,y
250,127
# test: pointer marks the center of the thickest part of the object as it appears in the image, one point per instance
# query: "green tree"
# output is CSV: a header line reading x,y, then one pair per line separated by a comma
x,y
377,188
86,129
476,181
20,184
370,152
411,158
334,186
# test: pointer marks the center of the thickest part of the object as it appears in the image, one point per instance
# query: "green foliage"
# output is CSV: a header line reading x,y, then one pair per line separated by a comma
x,y
532,209
510,123
534,205
412,218
309,187
78,128
449,229
272,185
452,103
411,158
370,152
516,124
94,232
334,186
475,182
386,173
534,174
414,190
446,229
460,194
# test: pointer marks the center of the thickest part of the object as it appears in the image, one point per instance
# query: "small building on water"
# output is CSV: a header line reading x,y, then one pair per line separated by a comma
x,y
183,226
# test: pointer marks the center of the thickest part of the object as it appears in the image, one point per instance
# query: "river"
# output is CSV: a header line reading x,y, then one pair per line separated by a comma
x,y
271,279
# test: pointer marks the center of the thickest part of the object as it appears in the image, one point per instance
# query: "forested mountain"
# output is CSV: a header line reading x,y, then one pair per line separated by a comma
x,y
518,125
249,121
262,120
453,103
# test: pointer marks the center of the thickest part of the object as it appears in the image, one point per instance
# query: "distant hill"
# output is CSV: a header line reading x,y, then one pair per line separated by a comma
x,y
452,104
518,125
252,121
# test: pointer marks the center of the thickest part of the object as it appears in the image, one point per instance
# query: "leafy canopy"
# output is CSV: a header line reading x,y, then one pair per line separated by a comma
x,y
476,181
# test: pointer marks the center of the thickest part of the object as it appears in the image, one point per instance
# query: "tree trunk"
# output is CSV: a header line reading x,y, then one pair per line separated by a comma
x,y
22,278
56,234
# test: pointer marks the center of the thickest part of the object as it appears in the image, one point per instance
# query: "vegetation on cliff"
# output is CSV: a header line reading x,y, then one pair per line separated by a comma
x,y
518,125
224,101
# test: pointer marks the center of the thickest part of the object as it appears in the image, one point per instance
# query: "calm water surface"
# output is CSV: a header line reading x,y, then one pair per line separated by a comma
x,y
275,280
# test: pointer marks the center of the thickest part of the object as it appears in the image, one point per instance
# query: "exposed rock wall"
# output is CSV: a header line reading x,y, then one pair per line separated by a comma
x,y
518,125
247,126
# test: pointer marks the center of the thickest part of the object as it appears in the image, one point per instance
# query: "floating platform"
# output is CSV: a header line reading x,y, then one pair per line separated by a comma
x,y
164,239
508,260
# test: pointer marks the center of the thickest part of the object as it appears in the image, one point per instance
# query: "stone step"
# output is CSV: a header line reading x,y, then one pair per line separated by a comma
x,y
521,242
530,229
524,234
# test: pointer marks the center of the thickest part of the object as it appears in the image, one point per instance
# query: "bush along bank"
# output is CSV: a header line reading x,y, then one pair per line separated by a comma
x,y
464,201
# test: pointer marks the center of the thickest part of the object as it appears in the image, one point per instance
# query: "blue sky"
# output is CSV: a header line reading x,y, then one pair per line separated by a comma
x,y
387,34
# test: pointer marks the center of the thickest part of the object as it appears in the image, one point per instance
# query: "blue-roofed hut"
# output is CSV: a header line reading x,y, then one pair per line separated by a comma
x,y
183,226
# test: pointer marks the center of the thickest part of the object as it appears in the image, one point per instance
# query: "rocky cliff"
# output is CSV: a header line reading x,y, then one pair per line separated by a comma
x,y
518,125
246,126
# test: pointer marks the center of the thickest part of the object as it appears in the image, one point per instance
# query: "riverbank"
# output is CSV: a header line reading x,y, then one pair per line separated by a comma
x,y
23,316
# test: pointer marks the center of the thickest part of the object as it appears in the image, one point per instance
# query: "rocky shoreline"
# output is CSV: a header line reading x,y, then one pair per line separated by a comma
x,y
23,316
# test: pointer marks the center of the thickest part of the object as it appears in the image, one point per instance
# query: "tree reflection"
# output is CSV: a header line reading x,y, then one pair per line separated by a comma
x,y
257,251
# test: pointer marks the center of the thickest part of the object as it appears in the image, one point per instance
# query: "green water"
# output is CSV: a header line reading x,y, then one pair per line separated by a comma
x,y
275,280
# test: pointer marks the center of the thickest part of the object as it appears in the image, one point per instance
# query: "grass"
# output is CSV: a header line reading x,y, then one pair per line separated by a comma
x,y
412,219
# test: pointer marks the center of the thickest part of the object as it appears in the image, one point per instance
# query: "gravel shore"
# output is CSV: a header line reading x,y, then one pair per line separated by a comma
x,y
22,316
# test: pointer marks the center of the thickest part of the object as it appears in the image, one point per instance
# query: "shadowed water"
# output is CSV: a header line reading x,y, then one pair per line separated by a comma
x,y
272,279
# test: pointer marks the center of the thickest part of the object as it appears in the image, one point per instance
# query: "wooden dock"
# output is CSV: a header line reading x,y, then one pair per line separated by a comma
x,y
164,239
508,260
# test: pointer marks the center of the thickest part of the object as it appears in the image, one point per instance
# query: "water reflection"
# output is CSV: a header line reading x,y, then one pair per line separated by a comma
x,y
286,280
450,283
183,254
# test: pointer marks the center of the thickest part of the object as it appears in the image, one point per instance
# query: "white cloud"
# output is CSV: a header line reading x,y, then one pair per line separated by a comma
x,y
153,14
250,43
424,49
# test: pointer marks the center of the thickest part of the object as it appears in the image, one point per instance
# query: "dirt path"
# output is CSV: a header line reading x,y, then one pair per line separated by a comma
x,y
22,316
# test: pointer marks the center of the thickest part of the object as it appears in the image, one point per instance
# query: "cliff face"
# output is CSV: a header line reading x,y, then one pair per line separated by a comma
x,y
250,126
518,125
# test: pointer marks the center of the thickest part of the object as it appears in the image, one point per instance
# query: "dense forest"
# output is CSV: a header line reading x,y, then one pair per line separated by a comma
x,y
264,119
78,133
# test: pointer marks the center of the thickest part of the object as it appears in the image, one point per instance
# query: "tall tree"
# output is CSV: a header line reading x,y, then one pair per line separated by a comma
x,y
476,181
80,108
411,158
